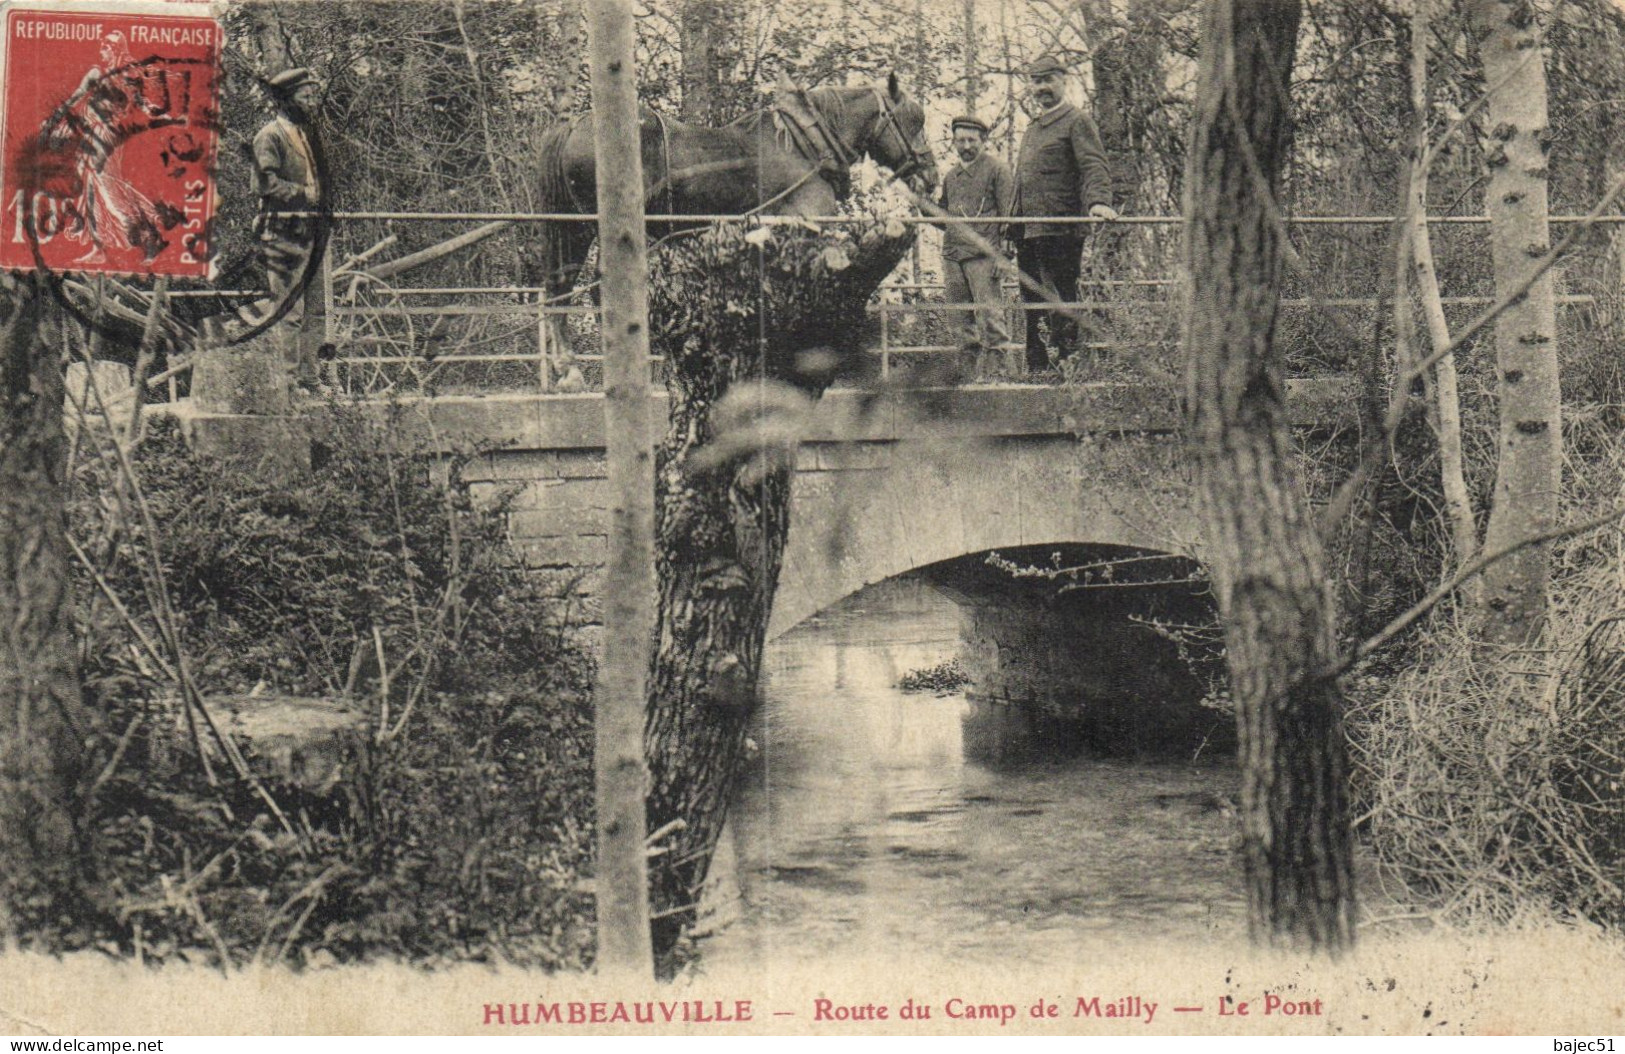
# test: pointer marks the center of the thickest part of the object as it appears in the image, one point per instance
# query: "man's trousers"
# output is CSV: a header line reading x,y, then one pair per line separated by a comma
x,y
286,249
1053,262
976,281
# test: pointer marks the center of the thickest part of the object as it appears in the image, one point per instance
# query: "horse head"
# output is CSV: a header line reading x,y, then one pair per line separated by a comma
x,y
846,123
897,137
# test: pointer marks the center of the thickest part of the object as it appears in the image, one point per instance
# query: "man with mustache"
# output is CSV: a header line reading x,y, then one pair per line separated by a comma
x,y
981,185
1062,171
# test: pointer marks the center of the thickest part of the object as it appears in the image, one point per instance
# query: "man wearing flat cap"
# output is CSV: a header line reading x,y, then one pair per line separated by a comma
x,y
980,185
286,177
1062,171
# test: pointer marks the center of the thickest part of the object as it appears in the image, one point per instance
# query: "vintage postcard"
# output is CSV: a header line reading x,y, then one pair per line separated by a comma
x,y
818,517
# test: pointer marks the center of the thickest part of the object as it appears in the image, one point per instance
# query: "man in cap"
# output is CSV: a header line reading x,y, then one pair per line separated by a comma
x,y
287,179
1062,171
980,185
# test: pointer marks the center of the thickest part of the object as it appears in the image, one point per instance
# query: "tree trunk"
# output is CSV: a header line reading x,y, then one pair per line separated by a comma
x,y
1264,553
1529,471
270,38
729,316
973,79
1011,109
1452,465
561,25
43,720
1129,86
1111,55
708,36
1353,540
622,874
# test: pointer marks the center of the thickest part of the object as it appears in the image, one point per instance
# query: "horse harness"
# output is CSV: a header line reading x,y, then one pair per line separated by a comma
x,y
806,132
813,140
888,113
809,134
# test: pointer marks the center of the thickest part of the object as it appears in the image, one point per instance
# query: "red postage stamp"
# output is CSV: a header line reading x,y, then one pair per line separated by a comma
x,y
110,136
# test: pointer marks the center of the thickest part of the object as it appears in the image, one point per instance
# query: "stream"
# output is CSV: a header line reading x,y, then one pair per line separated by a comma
x,y
875,821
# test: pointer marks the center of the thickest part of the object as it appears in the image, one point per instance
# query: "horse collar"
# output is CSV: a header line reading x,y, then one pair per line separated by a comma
x,y
807,127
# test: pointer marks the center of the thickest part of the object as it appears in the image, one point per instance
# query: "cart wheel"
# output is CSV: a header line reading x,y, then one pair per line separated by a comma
x,y
377,340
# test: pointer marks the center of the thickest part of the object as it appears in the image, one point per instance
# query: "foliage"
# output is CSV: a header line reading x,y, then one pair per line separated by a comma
x,y
294,587
1492,779
462,822
945,678
812,41
780,323
464,839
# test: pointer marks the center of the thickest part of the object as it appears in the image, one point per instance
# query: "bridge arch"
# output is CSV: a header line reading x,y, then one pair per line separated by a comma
x,y
1108,647
865,512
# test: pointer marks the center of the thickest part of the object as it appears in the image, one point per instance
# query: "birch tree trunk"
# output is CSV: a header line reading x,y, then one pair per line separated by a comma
x,y
1452,465
43,720
1264,553
1011,110
623,885
730,316
1529,470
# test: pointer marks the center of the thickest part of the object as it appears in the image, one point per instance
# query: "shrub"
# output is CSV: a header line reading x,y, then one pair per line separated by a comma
x,y
1494,780
301,584
464,818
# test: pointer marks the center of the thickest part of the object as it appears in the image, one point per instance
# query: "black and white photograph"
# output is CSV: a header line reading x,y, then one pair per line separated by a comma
x,y
812,517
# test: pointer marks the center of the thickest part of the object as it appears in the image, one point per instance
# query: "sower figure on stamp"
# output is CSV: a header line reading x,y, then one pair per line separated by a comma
x,y
109,212
980,185
1062,171
286,179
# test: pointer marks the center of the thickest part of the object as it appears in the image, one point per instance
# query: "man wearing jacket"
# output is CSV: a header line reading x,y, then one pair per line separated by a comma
x,y
1062,171
981,185
286,178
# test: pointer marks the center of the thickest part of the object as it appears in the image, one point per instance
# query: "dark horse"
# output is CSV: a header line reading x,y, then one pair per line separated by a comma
x,y
792,159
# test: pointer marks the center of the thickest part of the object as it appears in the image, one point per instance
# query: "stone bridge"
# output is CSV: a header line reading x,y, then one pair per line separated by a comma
x,y
885,483
908,481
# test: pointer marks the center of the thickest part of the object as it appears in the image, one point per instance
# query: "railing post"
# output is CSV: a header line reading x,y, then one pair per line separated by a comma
x,y
885,343
543,356
327,292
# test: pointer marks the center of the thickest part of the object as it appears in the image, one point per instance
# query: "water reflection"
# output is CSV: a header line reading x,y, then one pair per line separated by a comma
x,y
874,821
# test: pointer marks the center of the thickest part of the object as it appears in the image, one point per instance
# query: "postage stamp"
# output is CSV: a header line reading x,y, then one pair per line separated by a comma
x,y
110,141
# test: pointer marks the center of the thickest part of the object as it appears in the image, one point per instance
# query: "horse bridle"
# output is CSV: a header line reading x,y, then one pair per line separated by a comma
x,y
887,113
844,155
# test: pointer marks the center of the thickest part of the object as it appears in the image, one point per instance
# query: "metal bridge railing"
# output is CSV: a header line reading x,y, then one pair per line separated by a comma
x,y
399,302
885,310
